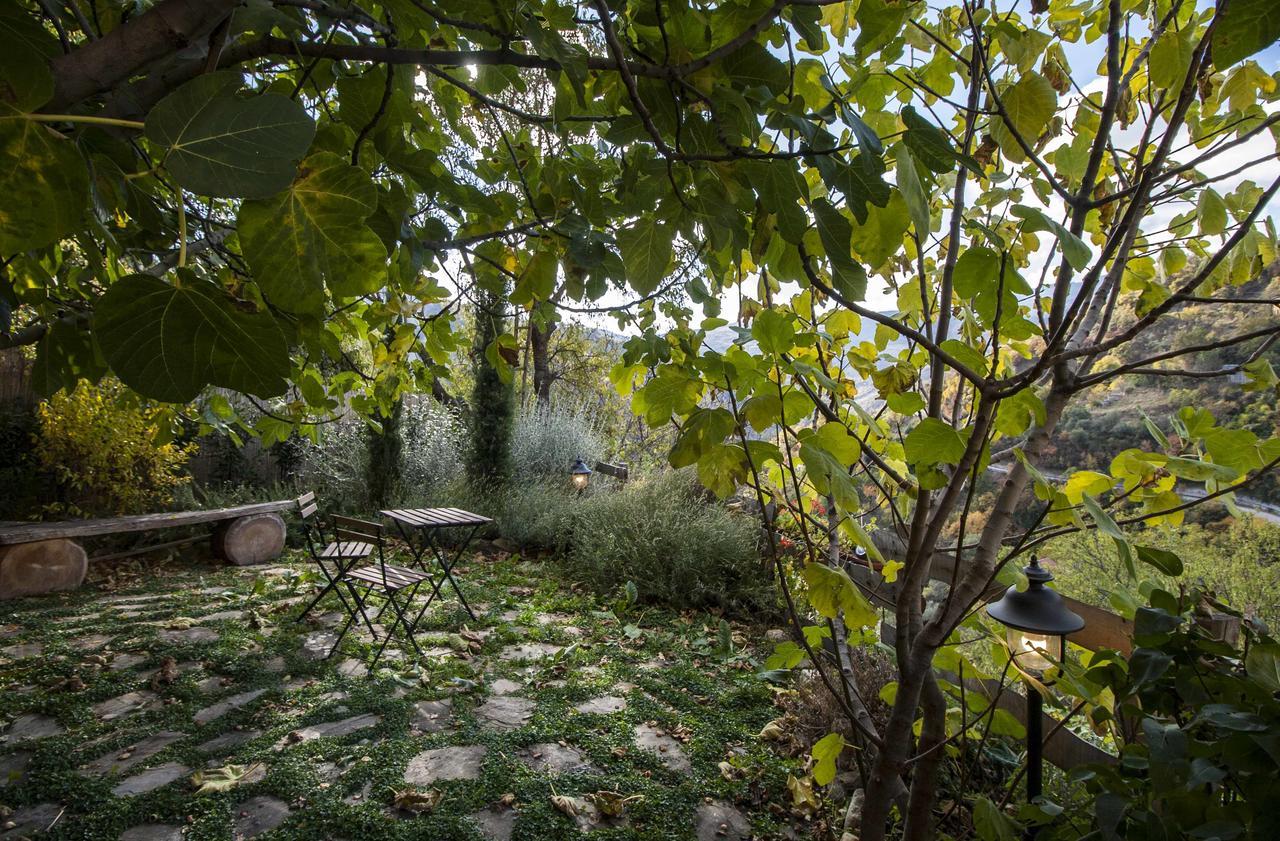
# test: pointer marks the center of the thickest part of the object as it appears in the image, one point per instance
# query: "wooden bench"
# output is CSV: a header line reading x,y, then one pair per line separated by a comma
x,y
45,557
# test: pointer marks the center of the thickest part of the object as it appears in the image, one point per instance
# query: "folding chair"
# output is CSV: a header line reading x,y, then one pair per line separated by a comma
x,y
341,562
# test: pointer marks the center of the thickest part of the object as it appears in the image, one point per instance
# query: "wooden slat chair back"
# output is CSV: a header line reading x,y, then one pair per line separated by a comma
x,y
351,528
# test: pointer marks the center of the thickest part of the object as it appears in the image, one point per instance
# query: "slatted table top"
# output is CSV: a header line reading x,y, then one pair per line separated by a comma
x,y
431,518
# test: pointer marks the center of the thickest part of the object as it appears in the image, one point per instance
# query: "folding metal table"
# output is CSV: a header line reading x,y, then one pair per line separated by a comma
x,y
421,529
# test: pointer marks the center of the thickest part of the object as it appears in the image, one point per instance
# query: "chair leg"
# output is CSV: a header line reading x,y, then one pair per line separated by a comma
x,y
351,617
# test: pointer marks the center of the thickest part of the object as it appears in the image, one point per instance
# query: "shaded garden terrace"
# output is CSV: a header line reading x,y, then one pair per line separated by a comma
x,y
185,702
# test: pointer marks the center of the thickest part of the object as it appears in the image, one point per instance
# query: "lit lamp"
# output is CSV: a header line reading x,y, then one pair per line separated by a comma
x,y
1037,622
580,474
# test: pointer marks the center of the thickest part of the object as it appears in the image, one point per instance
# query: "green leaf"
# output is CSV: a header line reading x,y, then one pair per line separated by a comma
x,y
861,182
847,275
832,593
1073,248
1263,665
914,193
825,752
26,82
1030,105
168,342
976,270
721,468
1163,560
881,235
993,824
931,146
879,22
66,354
1106,525
1086,482
44,184
774,331
1211,213
216,143
1244,28
1171,56
646,252
781,187
313,234
933,442
669,393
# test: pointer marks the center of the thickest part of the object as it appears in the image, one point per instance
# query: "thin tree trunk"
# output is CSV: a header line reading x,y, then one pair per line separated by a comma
x,y
539,346
924,773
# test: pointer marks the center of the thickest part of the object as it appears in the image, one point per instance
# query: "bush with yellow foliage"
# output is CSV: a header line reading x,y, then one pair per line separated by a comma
x,y
101,447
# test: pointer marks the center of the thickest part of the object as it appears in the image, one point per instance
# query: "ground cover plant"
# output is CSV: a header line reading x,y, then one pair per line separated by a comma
x,y
116,697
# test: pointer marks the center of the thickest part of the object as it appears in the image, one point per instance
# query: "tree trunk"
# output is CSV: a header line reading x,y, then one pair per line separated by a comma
x,y
385,449
539,345
924,774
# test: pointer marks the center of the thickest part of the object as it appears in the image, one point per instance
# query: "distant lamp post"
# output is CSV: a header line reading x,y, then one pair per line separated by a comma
x,y
1037,622
580,474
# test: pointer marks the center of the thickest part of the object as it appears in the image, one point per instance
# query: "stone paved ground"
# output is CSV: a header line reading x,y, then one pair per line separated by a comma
x,y
189,704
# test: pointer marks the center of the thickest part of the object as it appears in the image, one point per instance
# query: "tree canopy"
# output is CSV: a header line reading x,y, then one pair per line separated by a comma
x,y
290,198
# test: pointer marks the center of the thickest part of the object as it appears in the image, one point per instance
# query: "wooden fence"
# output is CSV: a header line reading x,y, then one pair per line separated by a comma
x,y
15,379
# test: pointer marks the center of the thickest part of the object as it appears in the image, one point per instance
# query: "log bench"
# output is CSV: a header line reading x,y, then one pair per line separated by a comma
x,y
46,557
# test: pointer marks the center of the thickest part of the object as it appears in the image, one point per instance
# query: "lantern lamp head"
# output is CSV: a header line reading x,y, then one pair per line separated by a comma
x,y
580,474
1037,619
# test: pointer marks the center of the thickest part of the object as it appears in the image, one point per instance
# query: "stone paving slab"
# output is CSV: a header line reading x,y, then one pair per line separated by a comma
x,y
333,729
122,760
603,705
505,712
667,747
126,705
30,727
433,716
502,686
190,636
719,821
452,763
13,766
555,758
496,822
316,646
22,650
31,820
226,741
152,832
124,660
223,707
530,651
92,642
151,779
258,815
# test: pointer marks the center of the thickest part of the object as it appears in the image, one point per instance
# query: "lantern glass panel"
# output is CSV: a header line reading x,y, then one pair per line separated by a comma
x,y
580,480
1034,652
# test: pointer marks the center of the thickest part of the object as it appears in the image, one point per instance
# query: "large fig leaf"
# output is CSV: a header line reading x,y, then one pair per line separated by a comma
x,y
168,342
44,184
314,234
220,144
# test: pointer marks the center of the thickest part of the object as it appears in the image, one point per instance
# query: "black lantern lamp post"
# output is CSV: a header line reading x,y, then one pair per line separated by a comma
x,y
580,474
1037,622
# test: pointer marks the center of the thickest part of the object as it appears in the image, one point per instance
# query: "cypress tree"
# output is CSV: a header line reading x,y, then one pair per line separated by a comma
x,y
492,400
